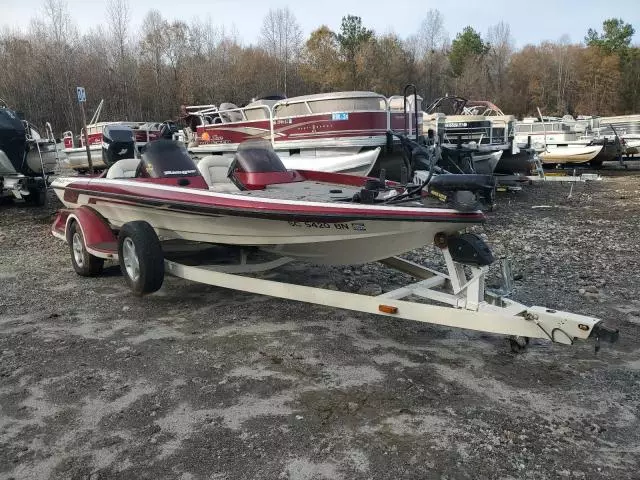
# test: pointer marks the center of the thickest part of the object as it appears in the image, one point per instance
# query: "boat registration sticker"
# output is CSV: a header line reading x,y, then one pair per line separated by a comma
x,y
340,116
359,227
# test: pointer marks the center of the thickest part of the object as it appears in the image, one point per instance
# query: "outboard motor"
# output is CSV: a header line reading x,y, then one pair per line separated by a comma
x,y
12,142
118,142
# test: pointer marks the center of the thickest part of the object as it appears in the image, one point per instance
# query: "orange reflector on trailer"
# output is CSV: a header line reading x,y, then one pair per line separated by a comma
x,y
387,309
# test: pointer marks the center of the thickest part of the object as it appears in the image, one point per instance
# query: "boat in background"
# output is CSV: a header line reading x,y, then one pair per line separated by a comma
x,y
333,132
564,141
627,127
26,158
143,132
479,129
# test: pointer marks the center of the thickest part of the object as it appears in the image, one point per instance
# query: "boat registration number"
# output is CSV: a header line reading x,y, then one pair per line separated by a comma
x,y
360,227
340,116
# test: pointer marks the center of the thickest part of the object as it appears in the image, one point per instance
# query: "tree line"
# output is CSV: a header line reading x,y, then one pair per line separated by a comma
x,y
148,74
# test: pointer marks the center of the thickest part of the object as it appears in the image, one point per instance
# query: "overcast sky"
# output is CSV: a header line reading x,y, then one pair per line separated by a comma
x,y
531,21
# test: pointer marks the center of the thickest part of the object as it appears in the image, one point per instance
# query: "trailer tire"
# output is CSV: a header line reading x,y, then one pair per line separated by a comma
x,y
596,164
84,264
141,257
37,197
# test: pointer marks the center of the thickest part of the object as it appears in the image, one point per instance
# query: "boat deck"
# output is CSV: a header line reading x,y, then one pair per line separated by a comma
x,y
313,192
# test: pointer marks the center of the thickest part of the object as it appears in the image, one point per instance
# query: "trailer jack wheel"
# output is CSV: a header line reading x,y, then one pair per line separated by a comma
x,y
37,196
518,344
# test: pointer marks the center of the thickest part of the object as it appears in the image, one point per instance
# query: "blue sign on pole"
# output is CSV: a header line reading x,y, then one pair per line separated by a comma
x,y
82,96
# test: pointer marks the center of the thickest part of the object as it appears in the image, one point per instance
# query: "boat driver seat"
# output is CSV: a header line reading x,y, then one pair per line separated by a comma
x,y
215,171
125,168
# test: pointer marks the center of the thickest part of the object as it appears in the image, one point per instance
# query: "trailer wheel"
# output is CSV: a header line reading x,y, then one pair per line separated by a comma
x,y
141,257
37,197
596,163
83,262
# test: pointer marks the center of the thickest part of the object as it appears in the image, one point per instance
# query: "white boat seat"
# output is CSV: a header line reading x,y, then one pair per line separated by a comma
x,y
125,168
215,170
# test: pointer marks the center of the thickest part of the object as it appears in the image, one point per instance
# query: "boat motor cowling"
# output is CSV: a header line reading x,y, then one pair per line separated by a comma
x,y
13,140
118,142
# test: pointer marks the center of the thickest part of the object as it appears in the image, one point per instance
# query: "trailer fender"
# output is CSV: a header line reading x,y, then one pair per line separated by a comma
x,y
99,238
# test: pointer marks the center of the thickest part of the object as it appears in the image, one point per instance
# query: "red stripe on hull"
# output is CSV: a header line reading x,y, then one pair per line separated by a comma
x,y
242,205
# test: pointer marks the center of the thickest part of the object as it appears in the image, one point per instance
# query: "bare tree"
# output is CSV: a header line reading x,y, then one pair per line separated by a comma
x,y
153,46
500,45
428,46
60,38
563,70
281,37
118,20
431,35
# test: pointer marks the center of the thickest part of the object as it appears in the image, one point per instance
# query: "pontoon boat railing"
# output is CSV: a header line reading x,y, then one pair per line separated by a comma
x,y
203,111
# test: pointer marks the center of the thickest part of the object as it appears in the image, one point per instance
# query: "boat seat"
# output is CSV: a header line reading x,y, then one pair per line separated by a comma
x,y
125,168
215,171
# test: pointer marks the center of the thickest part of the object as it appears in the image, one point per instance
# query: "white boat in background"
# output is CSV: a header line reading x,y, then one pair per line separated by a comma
x,y
564,141
360,163
480,127
570,153
628,128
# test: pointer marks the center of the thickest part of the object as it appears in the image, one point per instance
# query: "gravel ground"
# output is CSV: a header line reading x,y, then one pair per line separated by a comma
x,y
197,382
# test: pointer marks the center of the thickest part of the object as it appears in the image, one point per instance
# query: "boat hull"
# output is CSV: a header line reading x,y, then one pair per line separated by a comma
x,y
50,152
515,163
334,161
485,162
333,240
570,153
77,157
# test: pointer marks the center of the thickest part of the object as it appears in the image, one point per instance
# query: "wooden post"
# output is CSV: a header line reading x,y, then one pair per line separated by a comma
x,y
82,98
86,138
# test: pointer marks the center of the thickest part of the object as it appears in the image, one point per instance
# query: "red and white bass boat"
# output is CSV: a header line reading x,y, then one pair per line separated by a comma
x,y
140,210
255,201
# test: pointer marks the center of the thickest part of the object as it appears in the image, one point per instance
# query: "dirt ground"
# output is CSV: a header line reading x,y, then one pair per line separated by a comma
x,y
197,382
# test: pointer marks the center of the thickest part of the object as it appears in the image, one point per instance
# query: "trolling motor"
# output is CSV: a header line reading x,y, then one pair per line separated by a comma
x,y
465,192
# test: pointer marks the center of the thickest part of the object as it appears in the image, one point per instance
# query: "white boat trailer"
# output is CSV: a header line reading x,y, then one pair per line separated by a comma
x,y
468,304
460,297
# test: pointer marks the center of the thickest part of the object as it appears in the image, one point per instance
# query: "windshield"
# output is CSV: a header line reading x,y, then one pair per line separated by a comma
x,y
166,159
